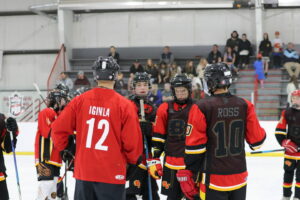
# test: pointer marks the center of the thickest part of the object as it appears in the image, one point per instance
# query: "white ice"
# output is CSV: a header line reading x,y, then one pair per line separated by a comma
x,y
264,182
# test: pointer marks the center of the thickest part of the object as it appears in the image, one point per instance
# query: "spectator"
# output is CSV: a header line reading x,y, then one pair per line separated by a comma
x,y
245,51
234,42
81,80
291,58
120,85
155,96
65,80
291,87
196,92
135,67
200,72
259,70
215,55
229,59
113,53
189,69
167,93
152,70
164,73
167,56
277,50
265,48
174,69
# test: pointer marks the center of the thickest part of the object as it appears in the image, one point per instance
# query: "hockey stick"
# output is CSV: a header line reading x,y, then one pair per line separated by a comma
x,y
66,197
16,166
39,92
146,149
266,151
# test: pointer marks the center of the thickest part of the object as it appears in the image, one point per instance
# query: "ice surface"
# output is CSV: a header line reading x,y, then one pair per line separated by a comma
x,y
264,182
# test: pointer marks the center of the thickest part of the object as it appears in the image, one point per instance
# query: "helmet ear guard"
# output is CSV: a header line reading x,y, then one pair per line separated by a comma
x,y
105,69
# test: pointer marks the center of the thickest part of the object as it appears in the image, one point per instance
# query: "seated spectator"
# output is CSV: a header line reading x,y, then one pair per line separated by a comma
x,y
234,42
155,95
291,60
113,53
291,87
245,51
152,70
229,59
174,69
163,73
81,80
265,48
259,70
215,55
65,80
167,56
135,67
167,93
277,50
120,85
189,69
200,72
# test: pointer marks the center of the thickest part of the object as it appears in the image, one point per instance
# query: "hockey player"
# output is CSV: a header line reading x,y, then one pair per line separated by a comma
x,y
169,136
108,136
5,145
287,135
47,157
138,182
217,128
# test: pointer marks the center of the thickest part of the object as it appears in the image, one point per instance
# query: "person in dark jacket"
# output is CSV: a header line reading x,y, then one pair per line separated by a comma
x,y
234,42
215,55
113,53
82,80
245,51
265,49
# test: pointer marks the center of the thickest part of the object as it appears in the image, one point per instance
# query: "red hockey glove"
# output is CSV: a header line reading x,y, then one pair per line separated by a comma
x,y
290,146
187,184
154,167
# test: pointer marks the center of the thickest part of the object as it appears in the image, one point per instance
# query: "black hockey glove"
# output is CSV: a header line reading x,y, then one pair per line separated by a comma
x,y
45,171
67,156
11,125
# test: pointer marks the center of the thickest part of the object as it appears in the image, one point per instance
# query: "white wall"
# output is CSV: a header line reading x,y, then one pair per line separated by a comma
x,y
175,28
28,32
20,71
19,5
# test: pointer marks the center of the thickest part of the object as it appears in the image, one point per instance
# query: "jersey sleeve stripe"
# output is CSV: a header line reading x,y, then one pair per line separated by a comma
x,y
280,133
257,145
156,139
195,151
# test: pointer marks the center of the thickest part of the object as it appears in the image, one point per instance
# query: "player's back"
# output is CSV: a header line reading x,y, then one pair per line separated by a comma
x,y
104,122
226,116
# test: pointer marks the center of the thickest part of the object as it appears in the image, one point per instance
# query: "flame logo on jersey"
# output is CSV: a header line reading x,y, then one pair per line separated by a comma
x,y
166,185
137,183
148,108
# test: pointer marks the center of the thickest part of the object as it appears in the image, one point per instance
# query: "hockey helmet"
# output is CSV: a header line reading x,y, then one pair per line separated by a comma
x,y
63,87
217,76
105,69
141,77
181,80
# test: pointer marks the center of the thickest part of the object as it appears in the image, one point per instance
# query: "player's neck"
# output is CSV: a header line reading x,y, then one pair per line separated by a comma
x,y
106,84
221,91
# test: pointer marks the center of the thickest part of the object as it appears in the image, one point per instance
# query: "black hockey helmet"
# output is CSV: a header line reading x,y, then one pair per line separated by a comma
x,y
217,76
105,69
181,80
63,88
54,98
141,77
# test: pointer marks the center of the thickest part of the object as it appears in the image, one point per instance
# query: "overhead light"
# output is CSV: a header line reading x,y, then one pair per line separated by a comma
x,y
288,2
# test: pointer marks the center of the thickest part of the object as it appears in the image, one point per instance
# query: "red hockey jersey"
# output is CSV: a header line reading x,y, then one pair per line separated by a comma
x,y
216,132
44,150
108,135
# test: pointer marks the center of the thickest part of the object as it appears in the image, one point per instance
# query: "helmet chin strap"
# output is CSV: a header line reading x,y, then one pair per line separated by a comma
x,y
296,106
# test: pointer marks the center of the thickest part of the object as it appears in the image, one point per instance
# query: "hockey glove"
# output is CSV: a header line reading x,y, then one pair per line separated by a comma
x,y
154,167
45,171
11,125
290,146
187,184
